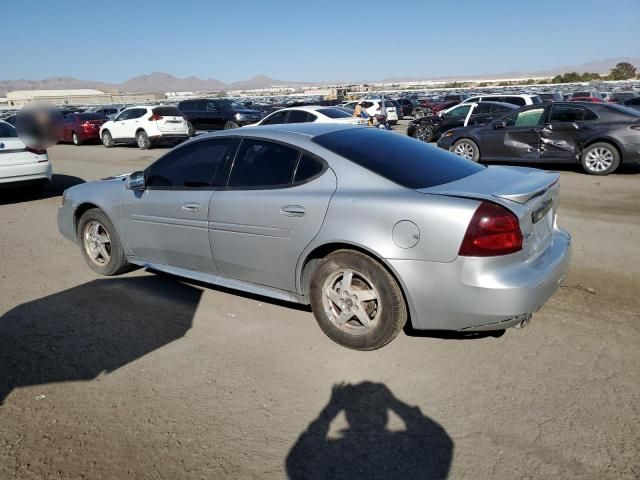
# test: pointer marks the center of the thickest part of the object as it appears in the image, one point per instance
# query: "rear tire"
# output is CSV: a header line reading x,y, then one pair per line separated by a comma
x,y
466,148
600,158
107,139
229,125
356,301
142,140
190,130
75,139
418,113
100,243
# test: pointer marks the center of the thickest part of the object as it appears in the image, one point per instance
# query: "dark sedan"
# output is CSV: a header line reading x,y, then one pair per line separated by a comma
x,y
633,102
79,128
432,127
599,136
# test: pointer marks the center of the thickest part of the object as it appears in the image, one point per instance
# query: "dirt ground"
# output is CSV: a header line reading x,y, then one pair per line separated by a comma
x,y
146,376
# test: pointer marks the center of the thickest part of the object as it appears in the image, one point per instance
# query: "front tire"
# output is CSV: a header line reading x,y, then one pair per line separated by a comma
x,y
75,139
600,159
418,113
423,133
107,139
142,140
229,125
190,130
356,301
100,244
466,148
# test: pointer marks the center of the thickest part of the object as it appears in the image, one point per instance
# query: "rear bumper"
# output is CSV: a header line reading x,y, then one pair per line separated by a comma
x,y
482,293
29,172
169,138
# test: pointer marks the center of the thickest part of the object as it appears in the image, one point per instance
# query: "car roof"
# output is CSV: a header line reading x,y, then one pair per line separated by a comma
x,y
308,108
306,129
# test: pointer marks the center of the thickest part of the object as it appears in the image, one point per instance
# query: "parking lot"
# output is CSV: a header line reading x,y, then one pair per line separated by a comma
x,y
150,376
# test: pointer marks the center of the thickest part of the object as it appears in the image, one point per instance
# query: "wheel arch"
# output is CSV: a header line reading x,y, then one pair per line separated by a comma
x,y
309,261
603,139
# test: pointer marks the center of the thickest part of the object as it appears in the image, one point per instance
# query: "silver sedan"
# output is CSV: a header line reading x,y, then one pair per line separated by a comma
x,y
371,228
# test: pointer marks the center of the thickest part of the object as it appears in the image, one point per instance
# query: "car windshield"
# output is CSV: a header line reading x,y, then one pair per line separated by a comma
x,y
333,113
403,160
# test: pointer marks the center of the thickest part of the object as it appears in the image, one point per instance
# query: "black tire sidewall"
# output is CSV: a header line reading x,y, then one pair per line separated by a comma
x,y
118,260
393,314
75,139
614,165
231,125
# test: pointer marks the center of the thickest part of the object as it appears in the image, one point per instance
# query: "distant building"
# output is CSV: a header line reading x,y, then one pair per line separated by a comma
x,y
84,96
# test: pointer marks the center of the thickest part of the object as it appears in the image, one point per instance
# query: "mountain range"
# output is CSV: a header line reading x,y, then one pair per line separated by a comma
x,y
161,82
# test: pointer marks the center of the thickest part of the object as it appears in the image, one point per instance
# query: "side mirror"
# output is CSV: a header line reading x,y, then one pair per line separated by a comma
x,y
499,125
135,181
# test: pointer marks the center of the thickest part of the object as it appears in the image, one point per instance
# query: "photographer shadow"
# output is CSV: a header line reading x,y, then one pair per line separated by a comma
x,y
95,328
367,449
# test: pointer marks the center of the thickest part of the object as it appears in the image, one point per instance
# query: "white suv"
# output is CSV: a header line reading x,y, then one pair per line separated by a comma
x,y
145,126
19,164
372,107
520,100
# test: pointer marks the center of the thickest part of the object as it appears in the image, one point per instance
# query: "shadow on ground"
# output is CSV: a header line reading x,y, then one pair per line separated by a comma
x,y
59,183
97,327
367,449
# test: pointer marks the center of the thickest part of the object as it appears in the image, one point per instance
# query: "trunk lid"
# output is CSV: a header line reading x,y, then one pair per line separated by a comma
x,y
531,194
14,152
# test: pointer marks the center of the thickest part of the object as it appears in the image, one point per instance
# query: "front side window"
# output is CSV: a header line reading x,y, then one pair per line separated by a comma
x,y
527,118
191,166
260,163
460,111
124,115
482,108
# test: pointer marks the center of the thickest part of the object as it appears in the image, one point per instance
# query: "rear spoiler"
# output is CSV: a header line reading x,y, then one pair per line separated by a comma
x,y
528,188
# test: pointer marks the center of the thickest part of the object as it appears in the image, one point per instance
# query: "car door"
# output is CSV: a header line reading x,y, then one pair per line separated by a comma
x,y
117,128
562,135
274,205
167,222
515,137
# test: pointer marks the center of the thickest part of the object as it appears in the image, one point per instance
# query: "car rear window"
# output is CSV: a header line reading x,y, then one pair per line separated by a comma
x,y
401,159
167,111
92,116
333,113
535,99
7,130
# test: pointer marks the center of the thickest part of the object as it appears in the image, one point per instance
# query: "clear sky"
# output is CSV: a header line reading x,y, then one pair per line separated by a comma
x,y
114,40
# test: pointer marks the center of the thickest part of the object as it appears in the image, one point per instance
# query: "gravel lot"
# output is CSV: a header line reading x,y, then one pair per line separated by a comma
x,y
147,376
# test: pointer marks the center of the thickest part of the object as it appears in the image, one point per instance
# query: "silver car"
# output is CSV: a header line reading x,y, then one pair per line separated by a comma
x,y
371,228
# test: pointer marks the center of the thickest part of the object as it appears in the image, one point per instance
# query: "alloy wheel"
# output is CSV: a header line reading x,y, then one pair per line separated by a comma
x,y
464,149
97,243
351,301
599,159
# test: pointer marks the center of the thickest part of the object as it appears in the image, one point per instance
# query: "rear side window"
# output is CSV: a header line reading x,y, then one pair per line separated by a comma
x,y
300,116
191,166
403,160
7,131
136,113
308,167
566,114
482,108
535,99
521,102
335,113
167,111
260,163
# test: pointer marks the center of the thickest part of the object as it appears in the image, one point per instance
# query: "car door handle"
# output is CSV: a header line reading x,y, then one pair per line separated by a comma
x,y
293,211
191,207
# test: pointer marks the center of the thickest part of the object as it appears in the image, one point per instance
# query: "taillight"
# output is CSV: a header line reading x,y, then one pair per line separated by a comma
x,y
155,117
493,231
36,151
